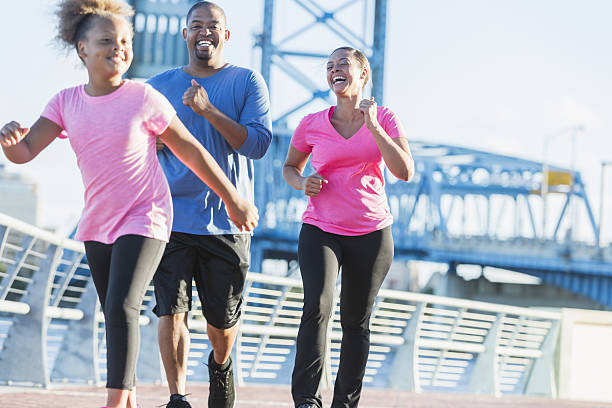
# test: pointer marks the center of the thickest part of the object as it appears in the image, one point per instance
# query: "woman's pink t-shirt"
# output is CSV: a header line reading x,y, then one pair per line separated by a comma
x,y
353,202
113,137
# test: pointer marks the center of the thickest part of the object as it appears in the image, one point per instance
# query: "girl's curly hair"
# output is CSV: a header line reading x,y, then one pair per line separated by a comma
x,y
76,17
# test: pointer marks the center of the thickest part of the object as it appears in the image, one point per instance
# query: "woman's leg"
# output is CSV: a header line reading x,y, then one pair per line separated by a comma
x,y
133,262
367,260
319,257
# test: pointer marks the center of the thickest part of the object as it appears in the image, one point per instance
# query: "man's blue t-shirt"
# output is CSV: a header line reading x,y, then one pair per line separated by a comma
x,y
242,95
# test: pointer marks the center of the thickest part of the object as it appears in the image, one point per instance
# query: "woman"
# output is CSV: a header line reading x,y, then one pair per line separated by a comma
x,y
112,124
347,223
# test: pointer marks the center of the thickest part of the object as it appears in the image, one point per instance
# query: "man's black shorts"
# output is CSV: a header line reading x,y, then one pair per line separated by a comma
x,y
217,263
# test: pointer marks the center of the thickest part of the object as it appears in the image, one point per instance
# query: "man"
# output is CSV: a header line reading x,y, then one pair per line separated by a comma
x,y
227,109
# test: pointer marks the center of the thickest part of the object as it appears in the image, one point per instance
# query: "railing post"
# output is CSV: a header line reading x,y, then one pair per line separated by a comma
x,y
541,380
485,376
29,332
78,358
405,370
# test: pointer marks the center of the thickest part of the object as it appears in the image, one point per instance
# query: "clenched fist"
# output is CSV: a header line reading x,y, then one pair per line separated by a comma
x,y
313,184
196,97
12,133
369,110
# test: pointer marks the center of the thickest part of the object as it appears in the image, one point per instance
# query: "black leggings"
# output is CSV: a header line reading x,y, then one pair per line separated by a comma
x,y
365,261
122,272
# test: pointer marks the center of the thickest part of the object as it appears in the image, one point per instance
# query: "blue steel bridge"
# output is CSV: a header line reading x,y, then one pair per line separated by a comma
x,y
464,206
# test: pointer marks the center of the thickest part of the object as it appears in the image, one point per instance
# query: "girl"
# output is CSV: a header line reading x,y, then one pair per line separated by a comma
x,y
112,124
347,223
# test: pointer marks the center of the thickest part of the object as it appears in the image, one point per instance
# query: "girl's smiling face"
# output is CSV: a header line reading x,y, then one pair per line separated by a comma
x,y
106,48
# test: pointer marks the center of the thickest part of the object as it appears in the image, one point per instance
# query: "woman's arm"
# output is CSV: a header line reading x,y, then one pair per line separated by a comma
x,y
200,161
20,145
292,173
395,152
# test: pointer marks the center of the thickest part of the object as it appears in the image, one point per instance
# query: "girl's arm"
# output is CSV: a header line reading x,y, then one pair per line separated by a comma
x,y
292,173
20,145
395,152
199,160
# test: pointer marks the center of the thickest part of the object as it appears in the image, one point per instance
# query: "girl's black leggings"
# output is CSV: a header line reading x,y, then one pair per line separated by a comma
x,y
121,272
365,261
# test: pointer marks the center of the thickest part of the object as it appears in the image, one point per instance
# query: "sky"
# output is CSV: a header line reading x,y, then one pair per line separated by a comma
x,y
503,76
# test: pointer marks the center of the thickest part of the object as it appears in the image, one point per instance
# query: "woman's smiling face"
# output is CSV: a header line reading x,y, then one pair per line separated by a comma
x,y
345,76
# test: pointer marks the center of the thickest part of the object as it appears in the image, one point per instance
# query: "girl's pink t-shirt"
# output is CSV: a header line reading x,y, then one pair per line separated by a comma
x,y
353,202
113,137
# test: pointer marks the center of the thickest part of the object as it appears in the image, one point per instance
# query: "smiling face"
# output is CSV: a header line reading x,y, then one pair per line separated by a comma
x,y
106,48
206,35
345,75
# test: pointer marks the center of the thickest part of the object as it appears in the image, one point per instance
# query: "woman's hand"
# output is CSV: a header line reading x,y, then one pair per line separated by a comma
x,y
313,184
12,133
370,112
243,214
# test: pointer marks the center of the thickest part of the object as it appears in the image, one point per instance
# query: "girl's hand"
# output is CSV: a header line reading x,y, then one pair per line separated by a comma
x,y
12,133
370,112
313,184
243,214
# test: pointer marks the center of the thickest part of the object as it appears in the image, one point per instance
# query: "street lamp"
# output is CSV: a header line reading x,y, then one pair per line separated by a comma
x,y
604,164
545,171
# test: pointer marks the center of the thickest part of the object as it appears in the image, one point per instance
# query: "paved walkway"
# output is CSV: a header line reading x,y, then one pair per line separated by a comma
x,y
153,396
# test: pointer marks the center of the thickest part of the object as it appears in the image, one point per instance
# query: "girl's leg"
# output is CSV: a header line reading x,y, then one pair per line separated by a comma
x,y
134,260
99,260
319,257
367,260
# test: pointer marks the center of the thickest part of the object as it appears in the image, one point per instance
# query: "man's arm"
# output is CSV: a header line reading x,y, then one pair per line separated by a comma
x,y
232,131
252,136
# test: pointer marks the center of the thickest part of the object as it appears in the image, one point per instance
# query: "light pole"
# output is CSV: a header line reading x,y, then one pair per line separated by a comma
x,y
545,170
602,184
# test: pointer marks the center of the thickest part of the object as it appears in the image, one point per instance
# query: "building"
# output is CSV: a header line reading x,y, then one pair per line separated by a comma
x,y
18,197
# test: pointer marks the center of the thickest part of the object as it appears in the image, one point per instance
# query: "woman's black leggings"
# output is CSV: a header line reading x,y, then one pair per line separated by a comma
x,y
365,261
122,272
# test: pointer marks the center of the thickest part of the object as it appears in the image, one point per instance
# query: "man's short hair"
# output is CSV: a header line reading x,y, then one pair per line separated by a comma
x,y
208,4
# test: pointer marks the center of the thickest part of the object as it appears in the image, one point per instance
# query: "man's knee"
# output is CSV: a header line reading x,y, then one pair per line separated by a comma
x,y
174,321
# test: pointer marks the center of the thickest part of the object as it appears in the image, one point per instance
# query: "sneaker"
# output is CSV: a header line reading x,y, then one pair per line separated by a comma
x,y
178,403
222,393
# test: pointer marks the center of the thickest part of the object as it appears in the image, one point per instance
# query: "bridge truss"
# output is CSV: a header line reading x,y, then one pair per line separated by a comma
x,y
464,206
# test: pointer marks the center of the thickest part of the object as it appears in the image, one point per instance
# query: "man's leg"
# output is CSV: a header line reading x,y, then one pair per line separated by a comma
x,y
174,341
222,341
224,261
173,281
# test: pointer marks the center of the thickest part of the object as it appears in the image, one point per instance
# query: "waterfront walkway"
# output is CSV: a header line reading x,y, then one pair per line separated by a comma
x,y
153,396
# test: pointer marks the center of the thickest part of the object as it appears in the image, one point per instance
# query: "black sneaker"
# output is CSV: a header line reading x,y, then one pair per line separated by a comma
x,y
178,403
221,393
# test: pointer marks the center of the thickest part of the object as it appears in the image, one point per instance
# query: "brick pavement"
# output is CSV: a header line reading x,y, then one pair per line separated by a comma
x,y
152,396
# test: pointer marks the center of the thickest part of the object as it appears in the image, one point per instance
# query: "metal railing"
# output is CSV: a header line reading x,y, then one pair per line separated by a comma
x,y
51,329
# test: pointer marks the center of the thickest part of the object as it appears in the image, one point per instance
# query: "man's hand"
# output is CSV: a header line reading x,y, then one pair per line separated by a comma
x,y
159,144
196,97
12,133
243,214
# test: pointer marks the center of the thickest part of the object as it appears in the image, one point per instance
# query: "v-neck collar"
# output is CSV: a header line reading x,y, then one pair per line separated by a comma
x,y
328,116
